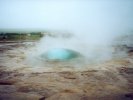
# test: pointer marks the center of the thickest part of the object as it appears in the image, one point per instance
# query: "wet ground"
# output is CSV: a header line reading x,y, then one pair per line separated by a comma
x,y
110,80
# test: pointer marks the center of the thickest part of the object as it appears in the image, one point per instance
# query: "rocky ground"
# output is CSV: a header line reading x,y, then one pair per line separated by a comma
x,y
110,80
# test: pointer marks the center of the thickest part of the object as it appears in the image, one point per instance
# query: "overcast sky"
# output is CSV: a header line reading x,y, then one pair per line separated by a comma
x,y
69,15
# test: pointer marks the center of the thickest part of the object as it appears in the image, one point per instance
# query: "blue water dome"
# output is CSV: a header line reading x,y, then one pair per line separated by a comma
x,y
60,54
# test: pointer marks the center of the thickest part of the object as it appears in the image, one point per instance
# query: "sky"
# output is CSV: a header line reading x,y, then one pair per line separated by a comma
x,y
67,15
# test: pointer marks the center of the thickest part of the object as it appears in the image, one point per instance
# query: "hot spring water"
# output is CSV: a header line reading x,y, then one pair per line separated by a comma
x,y
60,54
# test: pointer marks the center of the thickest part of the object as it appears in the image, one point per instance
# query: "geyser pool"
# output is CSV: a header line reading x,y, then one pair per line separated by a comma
x,y
60,54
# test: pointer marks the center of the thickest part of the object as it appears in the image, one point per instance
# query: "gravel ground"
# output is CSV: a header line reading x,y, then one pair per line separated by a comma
x,y
110,80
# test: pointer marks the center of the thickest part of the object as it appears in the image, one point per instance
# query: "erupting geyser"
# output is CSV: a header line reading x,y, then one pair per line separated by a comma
x,y
60,54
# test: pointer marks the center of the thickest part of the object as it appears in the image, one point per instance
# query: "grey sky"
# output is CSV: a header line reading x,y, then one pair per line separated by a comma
x,y
70,15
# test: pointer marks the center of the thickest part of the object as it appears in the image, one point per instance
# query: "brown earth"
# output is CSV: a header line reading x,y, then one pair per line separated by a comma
x,y
110,80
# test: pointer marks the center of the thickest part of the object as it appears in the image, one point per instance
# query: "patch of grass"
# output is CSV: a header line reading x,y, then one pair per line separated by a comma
x,y
20,36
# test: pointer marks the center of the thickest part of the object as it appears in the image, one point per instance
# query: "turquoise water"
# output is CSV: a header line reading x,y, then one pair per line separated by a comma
x,y
60,54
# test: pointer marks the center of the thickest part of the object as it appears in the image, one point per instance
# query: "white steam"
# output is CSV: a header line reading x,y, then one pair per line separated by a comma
x,y
95,26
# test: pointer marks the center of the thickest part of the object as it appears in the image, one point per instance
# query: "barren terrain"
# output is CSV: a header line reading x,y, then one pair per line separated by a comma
x,y
110,80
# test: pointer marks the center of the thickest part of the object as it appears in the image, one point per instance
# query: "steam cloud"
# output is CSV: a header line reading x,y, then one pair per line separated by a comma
x,y
94,24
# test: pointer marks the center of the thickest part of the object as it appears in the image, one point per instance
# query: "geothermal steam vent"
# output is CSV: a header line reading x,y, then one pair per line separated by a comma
x,y
60,54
